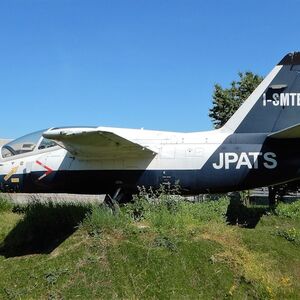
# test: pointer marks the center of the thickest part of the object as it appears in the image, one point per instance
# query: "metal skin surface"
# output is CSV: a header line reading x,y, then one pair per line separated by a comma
x,y
259,146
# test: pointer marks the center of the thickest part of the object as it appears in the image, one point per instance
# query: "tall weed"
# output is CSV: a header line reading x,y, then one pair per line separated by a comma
x,y
101,219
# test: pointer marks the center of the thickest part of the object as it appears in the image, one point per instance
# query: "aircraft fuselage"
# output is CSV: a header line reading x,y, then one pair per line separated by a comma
x,y
212,161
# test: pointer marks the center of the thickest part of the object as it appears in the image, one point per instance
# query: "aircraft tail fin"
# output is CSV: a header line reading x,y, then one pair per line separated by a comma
x,y
275,103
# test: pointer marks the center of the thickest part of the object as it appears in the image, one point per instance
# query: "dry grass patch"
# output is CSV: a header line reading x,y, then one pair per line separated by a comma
x,y
255,268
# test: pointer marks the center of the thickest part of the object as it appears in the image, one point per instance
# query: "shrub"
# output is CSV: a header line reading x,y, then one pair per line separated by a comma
x,y
139,205
288,210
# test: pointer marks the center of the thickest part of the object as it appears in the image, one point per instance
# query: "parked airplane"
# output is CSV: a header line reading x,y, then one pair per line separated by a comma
x,y
258,146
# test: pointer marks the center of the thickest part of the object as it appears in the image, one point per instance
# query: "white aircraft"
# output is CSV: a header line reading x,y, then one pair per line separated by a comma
x,y
259,146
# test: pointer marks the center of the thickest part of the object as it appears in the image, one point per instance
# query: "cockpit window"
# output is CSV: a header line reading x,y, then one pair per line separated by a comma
x,y
22,145
46,143
6,152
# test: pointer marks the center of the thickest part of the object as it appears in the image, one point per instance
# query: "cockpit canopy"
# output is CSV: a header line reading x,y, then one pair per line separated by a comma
x,y
26,143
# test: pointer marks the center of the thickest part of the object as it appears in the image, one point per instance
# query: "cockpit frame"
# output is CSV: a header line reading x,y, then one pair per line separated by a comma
x,y
27,145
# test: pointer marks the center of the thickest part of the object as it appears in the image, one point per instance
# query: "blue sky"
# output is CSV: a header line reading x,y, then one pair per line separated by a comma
x,y
132,63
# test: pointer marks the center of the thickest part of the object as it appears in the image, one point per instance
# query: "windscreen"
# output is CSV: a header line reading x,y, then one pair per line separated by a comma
x,y
24,144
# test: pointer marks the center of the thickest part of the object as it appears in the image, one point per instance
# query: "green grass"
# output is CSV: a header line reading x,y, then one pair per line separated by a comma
x,y
164,250
5,205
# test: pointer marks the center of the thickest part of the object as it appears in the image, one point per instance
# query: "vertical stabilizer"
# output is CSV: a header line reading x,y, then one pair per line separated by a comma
x,y
274,104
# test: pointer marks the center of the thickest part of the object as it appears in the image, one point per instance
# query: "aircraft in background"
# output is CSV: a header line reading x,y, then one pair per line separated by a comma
x,y
258,146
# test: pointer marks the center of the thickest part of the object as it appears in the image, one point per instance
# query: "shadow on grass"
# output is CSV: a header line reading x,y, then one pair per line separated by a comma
x,y
43,228
239,214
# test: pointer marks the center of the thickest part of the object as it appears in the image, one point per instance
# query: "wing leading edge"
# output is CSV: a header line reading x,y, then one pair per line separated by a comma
x,y
93,143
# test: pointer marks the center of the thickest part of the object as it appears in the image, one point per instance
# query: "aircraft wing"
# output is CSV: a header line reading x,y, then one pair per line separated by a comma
x,y
292,132
94,143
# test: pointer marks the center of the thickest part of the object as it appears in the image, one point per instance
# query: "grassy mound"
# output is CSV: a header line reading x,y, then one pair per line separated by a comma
x,y
150,249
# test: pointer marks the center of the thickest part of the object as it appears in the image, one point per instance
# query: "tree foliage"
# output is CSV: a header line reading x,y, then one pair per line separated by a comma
x,y
227,100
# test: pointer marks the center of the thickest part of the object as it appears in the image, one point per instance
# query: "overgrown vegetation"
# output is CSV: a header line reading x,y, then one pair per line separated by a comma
x,y
291,211
159,246
5,205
